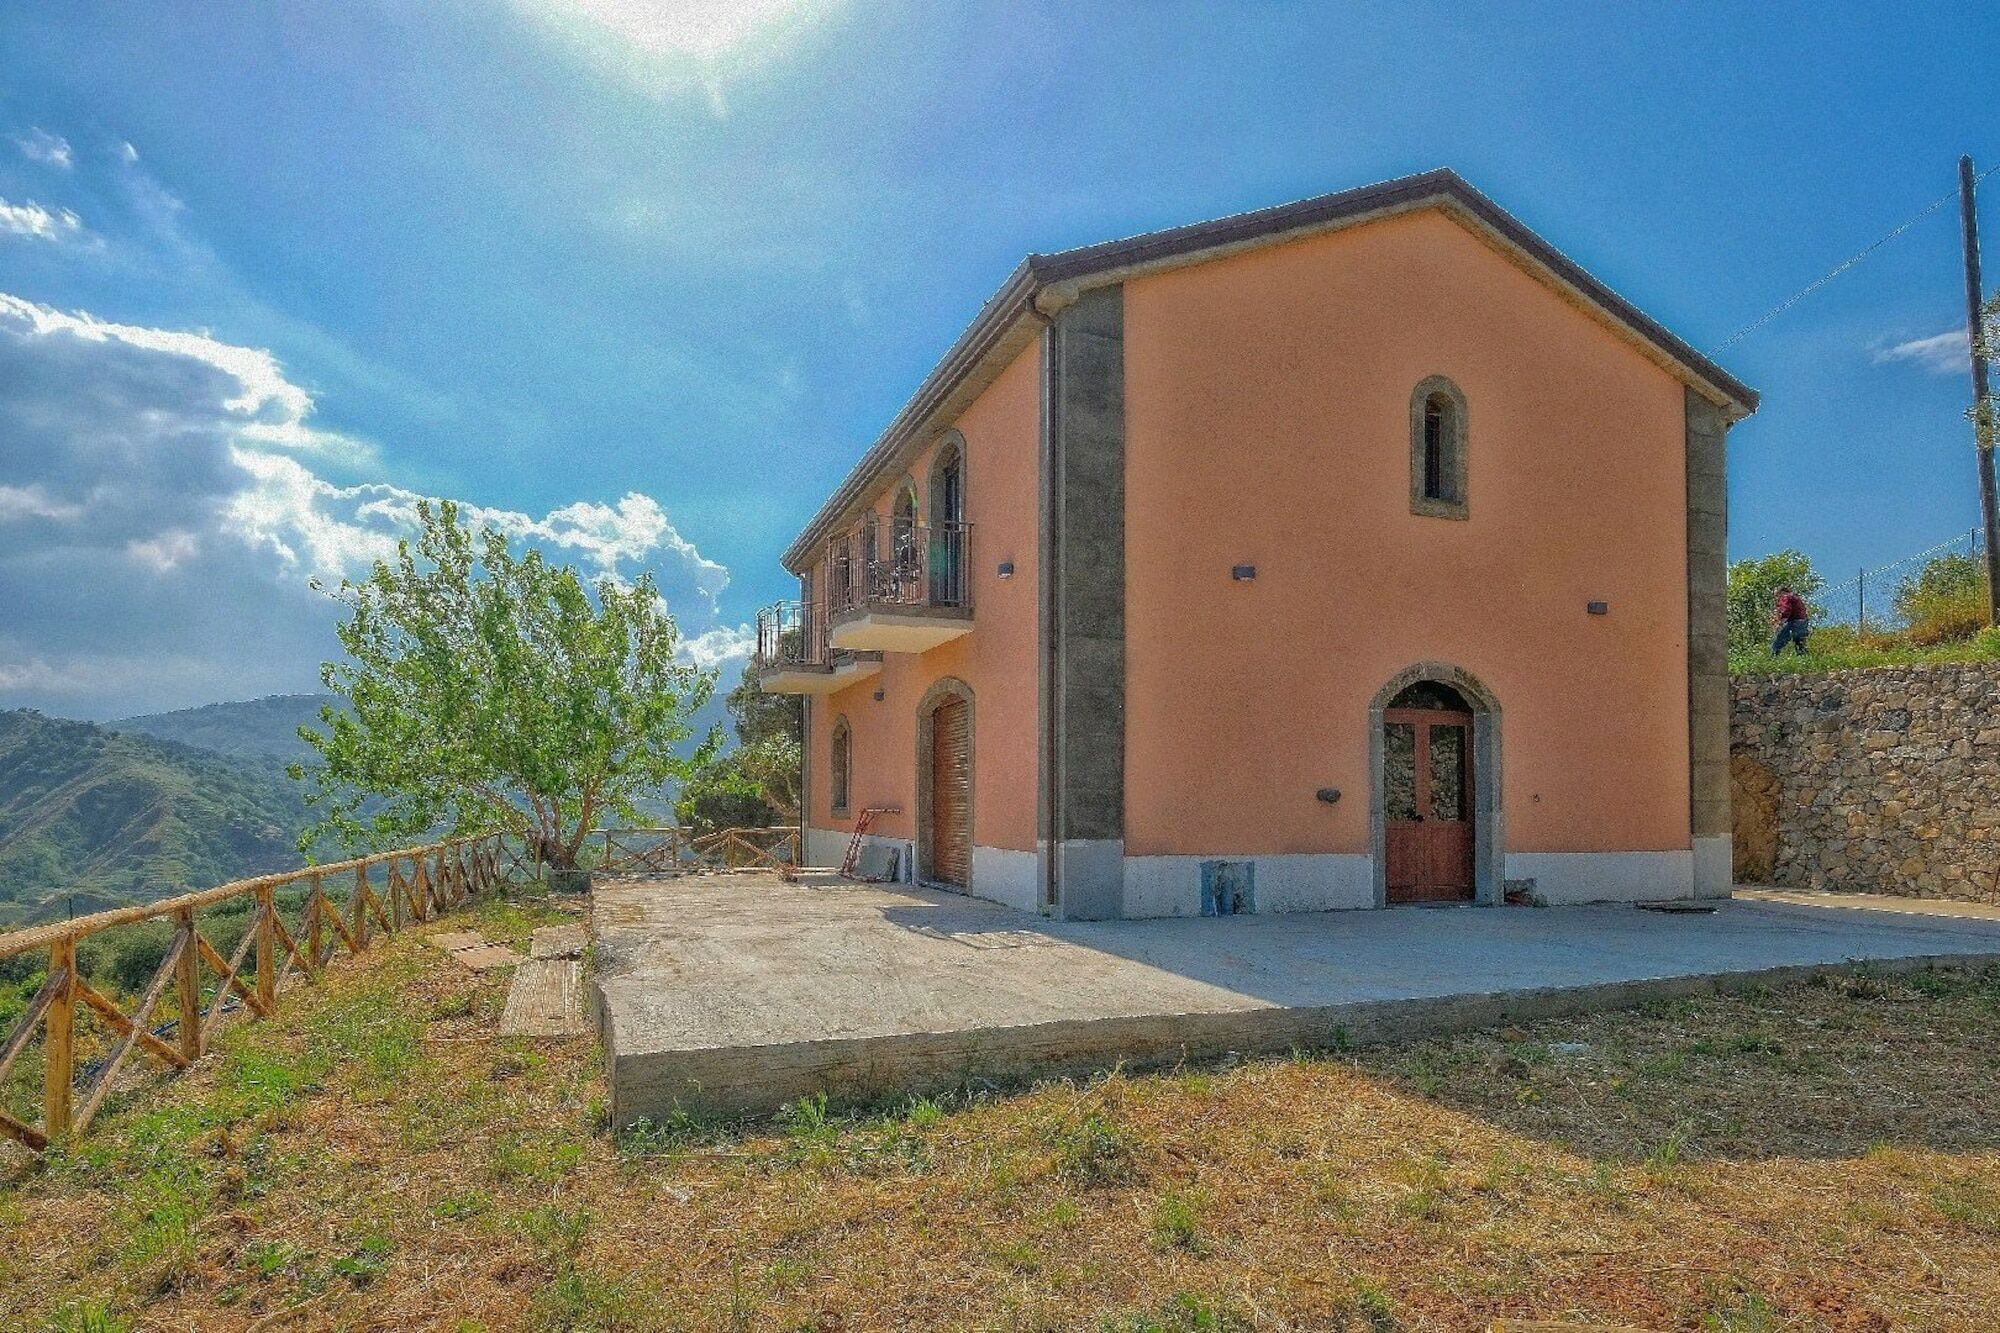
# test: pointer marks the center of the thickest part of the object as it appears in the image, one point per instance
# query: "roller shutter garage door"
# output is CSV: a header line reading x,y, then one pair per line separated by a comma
x,y
951,793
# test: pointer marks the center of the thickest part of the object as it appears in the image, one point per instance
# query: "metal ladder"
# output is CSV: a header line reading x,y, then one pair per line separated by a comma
x,y
852,860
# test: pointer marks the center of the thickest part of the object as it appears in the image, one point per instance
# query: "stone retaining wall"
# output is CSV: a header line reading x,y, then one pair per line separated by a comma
x,y
1883,780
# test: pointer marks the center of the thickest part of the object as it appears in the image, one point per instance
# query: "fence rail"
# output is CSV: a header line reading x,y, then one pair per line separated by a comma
x,y
668,850
418,883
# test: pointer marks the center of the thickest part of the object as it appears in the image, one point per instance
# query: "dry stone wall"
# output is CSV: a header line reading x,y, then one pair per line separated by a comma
x,y
1881,780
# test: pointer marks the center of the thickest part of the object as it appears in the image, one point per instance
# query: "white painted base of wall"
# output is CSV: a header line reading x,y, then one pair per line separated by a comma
x,y
827,847
1008,877
1151,886
1091,876
1330,882
1714,867
1562,878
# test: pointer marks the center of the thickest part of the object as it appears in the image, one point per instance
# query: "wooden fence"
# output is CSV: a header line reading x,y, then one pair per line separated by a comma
x,y
661,851
418,883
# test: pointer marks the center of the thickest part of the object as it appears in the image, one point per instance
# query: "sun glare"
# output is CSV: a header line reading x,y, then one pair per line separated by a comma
x,y
705,31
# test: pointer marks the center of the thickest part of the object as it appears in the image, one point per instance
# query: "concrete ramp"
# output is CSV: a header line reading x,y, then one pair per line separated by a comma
x,y
736,994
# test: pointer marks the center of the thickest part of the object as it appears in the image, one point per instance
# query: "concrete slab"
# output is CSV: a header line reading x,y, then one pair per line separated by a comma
x,y
546,1000
486,957
714,993
557,942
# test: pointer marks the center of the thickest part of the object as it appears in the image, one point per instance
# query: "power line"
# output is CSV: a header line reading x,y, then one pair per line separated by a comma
x,y
1842,267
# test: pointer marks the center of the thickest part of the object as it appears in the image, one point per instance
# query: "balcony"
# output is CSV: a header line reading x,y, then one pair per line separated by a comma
x,y
794,657
899,586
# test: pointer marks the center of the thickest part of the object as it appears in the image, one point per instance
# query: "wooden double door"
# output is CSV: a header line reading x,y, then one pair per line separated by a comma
x,y
1427,805
950,815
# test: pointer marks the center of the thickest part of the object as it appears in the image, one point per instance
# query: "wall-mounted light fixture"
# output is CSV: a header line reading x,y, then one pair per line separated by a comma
x,y
1599,608
1328,794
1243,573
1006,570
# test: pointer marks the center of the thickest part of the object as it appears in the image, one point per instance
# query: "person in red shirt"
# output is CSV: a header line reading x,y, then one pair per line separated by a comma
x,y
1792,621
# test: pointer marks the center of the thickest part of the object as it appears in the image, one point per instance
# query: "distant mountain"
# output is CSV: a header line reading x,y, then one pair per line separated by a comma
x,y
267,727
110,817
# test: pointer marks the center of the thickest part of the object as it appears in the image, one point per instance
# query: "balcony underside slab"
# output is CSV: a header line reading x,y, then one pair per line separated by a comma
x,y
901,630
845,671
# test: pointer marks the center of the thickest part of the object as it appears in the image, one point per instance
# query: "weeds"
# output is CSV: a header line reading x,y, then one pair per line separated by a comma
x,y
1176,1220
1090,1150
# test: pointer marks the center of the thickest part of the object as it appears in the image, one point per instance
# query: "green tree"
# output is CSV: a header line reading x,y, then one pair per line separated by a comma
x,y
757,784
486,690
1753,596
1944,600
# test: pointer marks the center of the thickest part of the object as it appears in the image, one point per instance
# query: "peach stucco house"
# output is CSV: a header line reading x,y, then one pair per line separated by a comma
x,y
1356,551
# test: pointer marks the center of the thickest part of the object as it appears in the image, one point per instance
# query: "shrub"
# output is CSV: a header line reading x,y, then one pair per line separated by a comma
x,y
1945,601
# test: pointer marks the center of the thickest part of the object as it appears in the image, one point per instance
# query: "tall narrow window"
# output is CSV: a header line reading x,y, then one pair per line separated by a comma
x,y
1438,449
843,752
947,556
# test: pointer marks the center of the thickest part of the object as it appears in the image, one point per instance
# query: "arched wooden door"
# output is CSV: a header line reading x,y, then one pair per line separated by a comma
x,y
950,831
1427,805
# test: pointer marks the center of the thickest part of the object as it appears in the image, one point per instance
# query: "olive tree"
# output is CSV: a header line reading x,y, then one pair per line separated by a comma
x,y
486,690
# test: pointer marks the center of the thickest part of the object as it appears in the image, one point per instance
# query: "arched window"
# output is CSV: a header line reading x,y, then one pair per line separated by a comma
x,y
1438,449
843,758
905,554
947,539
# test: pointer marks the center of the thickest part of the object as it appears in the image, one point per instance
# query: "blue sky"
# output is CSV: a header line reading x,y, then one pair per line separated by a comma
x,y
642,280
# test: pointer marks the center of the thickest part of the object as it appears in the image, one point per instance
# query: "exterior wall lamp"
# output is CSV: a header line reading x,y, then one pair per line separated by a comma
x,y
1006,570
1243,573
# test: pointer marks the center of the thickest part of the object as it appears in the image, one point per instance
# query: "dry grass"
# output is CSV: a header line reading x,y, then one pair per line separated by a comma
x,y
1821,1157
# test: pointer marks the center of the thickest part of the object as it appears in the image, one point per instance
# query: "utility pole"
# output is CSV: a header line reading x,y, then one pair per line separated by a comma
x,y
1982,410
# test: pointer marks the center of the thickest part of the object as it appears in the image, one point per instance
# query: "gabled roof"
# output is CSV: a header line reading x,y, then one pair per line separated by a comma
x,y
1044,283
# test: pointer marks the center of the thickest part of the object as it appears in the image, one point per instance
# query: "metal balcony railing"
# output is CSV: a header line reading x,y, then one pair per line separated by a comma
x,y
791,634
901,563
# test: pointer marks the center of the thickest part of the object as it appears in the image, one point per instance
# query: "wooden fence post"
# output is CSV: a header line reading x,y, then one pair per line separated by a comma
x,y
360,907
187,979
315,909
267,950
59,1049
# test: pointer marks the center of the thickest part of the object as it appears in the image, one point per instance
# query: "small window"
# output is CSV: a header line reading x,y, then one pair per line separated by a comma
x,y
843,750
1438,449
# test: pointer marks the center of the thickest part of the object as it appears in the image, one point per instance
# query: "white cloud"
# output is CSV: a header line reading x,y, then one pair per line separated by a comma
x,y
31,219
719,647
272,410
167,550
38,145
33,501
163,523
1941,353
127,153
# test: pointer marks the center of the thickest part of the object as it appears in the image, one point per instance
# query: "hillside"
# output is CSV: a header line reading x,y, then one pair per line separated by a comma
x,y
108,817
266,728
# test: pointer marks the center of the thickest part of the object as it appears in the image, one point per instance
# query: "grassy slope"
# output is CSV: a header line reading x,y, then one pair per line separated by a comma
x,y
1820,1157
111,817
1833,650
265,728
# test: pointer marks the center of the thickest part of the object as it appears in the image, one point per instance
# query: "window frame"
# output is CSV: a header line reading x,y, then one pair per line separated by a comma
x,y
1453,451
840,767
